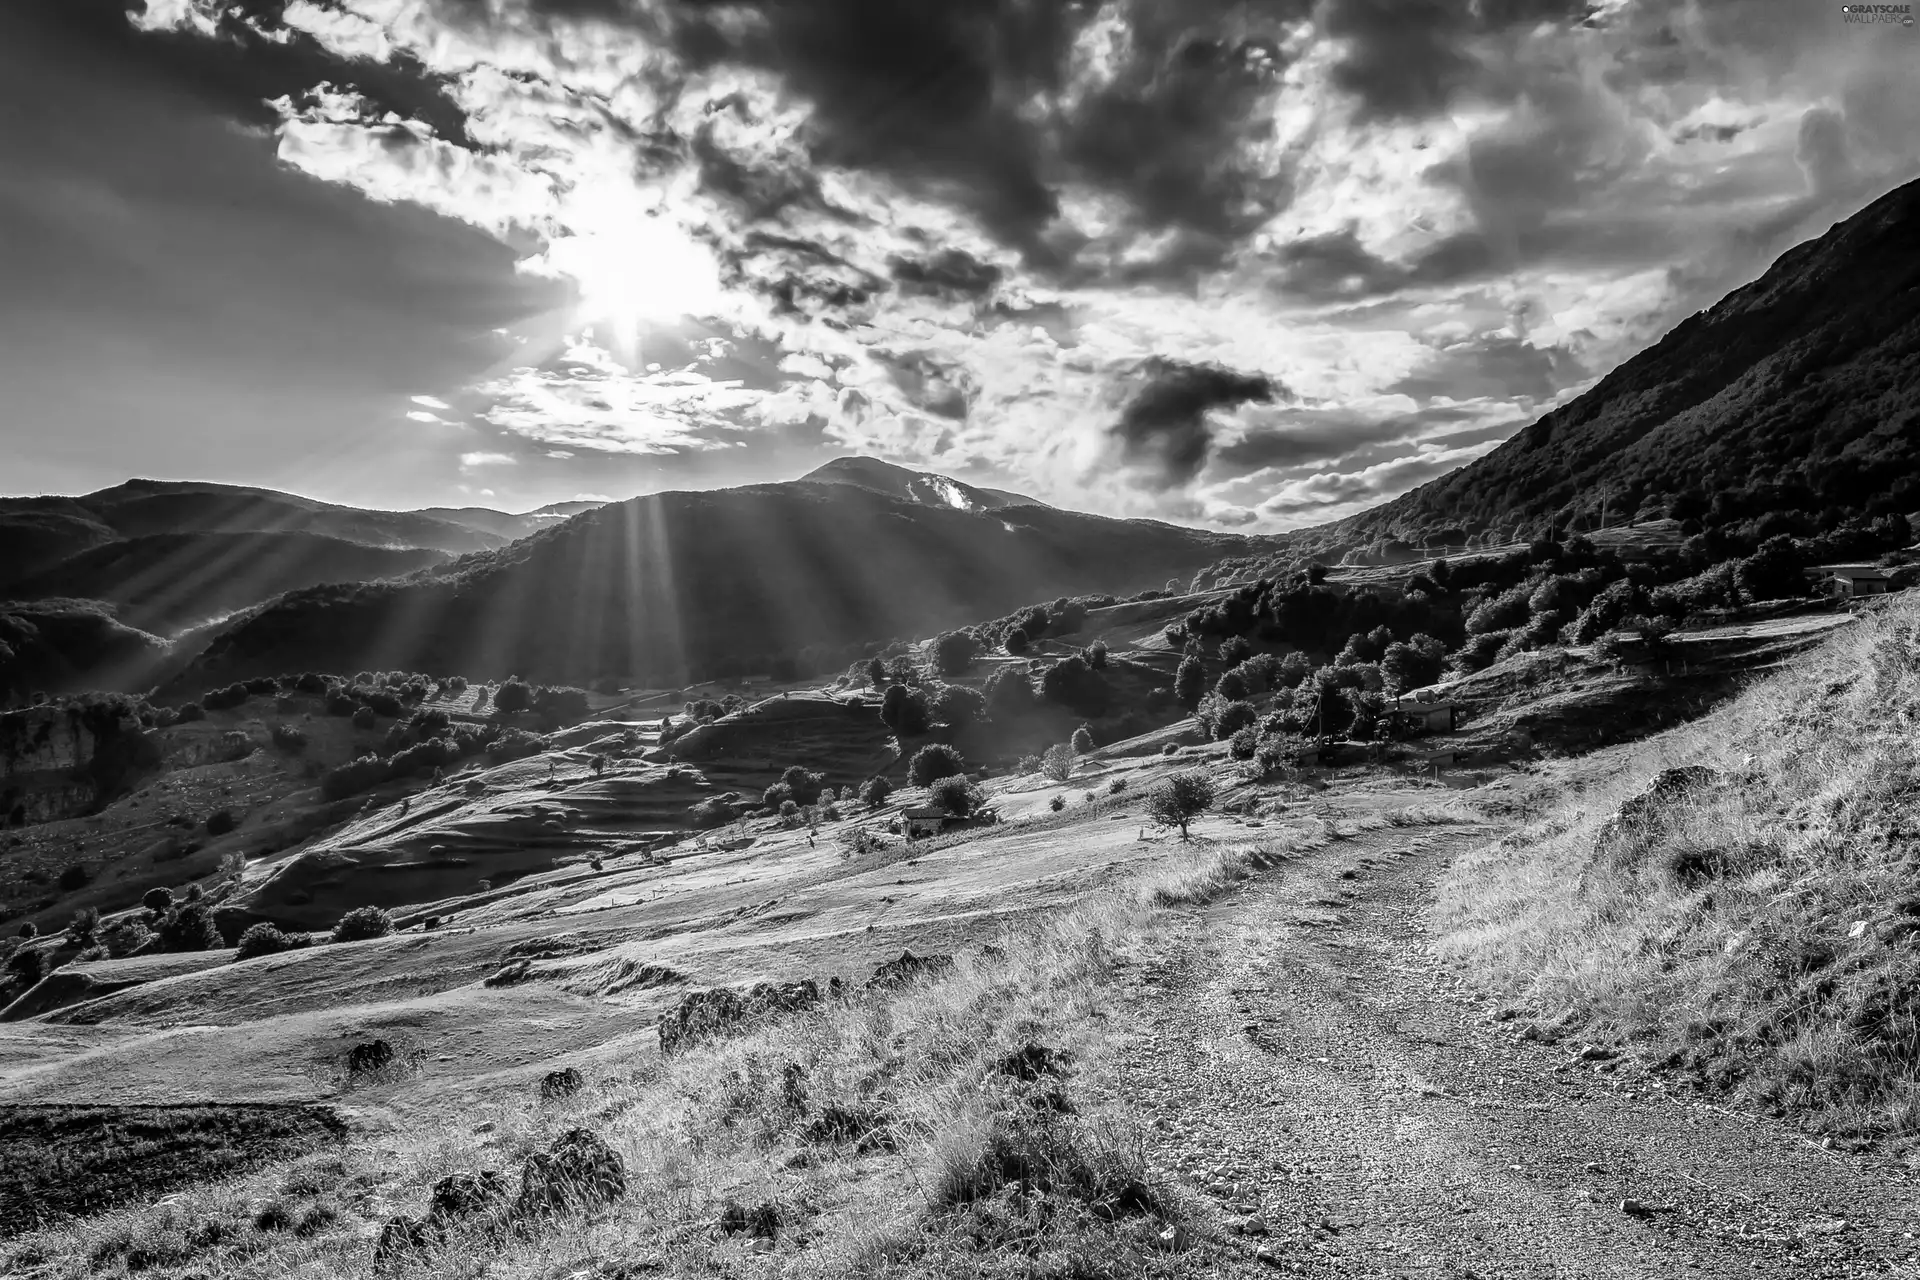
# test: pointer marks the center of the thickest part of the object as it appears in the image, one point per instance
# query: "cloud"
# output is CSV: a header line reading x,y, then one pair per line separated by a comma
x,y
1163,432
431,402
468,461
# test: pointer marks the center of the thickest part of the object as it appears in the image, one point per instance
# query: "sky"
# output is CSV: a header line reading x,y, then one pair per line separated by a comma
x,y
1250,265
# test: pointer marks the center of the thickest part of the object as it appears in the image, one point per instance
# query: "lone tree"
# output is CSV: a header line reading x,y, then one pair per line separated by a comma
x,y
362,923
934,761
1057,763
1177,800
875,793
1082,740
1097,655
159,901
1190,682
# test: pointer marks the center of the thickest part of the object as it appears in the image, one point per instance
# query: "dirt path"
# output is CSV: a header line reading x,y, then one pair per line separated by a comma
x,y
1312,1068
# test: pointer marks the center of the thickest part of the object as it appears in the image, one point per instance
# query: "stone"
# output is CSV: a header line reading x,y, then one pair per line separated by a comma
x,y
462,1195
895,973
578,1172
707,1015
1175,1239
371,1056
563,1083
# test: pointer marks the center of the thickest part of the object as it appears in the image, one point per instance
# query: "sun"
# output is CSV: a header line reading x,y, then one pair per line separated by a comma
x,y
636,265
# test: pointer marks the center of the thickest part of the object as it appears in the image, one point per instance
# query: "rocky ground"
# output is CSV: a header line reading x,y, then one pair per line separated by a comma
x,y
1354,1108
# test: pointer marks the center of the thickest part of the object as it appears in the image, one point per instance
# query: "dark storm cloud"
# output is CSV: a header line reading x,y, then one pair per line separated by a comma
x,y
237,73
1163,430
1491,365
929,384
951,273
1307,436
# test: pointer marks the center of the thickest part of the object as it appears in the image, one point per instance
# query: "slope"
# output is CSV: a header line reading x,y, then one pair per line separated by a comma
x,y
1801,389
914,486
163,582
679,585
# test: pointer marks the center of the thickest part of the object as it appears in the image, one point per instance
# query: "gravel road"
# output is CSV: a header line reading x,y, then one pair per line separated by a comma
x,y
1352,1108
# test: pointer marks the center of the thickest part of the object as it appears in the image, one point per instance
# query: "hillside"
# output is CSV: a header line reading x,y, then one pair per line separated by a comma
x,y
164,582
1797,393
680,585
503,524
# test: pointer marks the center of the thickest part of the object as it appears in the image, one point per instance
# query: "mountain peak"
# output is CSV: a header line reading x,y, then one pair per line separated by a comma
x,y
926,488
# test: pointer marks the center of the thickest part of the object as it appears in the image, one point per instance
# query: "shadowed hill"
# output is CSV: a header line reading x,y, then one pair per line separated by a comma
x,y
1809,379
142,507
693,585
914,486
163,582
58,645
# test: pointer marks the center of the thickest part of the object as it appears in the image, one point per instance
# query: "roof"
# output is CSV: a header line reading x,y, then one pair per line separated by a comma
x,y
924,811
1421,708
1851,570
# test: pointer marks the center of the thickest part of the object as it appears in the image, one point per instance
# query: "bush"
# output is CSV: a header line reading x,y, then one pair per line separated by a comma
x,y
1017,642
1171,749
1097,655
159,901
192,711
27,966
957,795
776,795
934,761
514,695
362,923
957,705
875,792
1116,786
364,718
1244,742
74,878
354,777
804,785
1179,799
1056,762
220,822
224,699
1235,650
1082,740
190,927
265,940
1190,682
29,930
124,937
903,711
789,813
1222,719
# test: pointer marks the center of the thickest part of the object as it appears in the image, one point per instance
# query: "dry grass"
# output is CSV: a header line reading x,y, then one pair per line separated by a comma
x,y
1761,933
888,1133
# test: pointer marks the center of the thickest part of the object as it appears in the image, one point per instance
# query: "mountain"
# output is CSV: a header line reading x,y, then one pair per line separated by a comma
x,y
164,582
1798,392
168,506
504,525
677,586
923,487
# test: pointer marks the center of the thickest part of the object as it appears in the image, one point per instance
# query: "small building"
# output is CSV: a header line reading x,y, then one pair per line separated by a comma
x,y
1846,581
1418,719
918,821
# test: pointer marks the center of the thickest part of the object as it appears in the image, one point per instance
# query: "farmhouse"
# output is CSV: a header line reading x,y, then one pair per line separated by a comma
x,y
1847,581
918,821
1418,719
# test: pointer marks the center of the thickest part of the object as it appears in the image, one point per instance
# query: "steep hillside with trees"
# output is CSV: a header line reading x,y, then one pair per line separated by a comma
x,y
690,585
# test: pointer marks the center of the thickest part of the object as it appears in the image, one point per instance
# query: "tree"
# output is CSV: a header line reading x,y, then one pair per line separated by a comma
x,y
903,711
956,794
1190,682
876,673
1057,762
159,901
1178,799
27,966
1009,694
957,705
1016,642
875,792
1294,668
954,652
1082,740
1773,571
1413,663
934,761
803,784
1232,686
362,923
1072,684
514,696
83,929
1097,655
1235,650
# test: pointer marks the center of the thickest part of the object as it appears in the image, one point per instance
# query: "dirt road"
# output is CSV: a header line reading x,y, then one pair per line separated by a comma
x,y
1319,1075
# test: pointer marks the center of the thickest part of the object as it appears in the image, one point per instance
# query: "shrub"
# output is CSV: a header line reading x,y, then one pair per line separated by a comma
x,y
1222,719
934,761
1017,642
1082,740
1097,655
1116,786
74,878
789,813
264,940
159,901
29,930
776,795
1056,762
364,718
1244,742
220,822
875,792
362,923
83,929
1179,799
190,927
514,695
1171,749
27,966
126,936
224,699
192,711
1190,682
